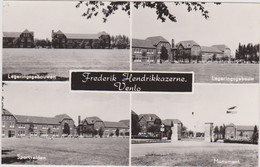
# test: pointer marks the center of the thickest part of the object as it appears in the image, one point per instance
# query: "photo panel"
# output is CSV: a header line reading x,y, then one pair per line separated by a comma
x,y
215,126
46,124
43,40
218,44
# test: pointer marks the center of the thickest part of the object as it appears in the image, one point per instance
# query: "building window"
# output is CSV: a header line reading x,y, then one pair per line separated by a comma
x,y
3,133
11,124
3,124
44,126
21,133
21,126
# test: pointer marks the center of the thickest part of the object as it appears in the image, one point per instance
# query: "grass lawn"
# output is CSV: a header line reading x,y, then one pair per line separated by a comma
x,y
67,151
58,62
205,72
194,153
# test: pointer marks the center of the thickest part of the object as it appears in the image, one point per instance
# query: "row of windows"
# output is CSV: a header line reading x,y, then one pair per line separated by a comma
x,y
6,117
34,126
164,44
26,35
139,50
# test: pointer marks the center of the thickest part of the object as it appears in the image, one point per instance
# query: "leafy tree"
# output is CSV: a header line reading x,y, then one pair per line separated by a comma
x,y
111,134
164,53
216,131
66,129
95,44
95,132
255,135
183,130
161,8
31,127
214,57
117,132
135,124
49,131
126,133
100,132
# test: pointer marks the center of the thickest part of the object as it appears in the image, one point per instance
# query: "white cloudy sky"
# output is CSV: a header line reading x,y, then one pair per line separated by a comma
x,y
229,23
209,103
43,17
50,99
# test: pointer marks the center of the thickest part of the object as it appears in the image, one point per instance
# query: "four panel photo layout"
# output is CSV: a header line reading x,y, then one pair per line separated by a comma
x,y
183,81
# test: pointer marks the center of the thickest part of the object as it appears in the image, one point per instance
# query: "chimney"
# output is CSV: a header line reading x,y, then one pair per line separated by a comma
x,y
172,43
79,119
52,33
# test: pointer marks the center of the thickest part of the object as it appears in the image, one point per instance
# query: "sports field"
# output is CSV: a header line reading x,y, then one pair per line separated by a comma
x,y
209,72
66,151
194,153
58,62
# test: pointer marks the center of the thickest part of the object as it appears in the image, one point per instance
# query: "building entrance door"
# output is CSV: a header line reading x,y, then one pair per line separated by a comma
x,y
11,133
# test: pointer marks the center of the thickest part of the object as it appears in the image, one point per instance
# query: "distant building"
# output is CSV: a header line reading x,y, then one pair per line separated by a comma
x,y
226,51
149,50
126,122
185,50
210,53
110,128
143,51
72,40
88,126
25,126
168,124
23,39
238,132
148,120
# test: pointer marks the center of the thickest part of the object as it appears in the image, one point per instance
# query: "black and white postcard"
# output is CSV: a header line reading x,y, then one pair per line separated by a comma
x,y
130,83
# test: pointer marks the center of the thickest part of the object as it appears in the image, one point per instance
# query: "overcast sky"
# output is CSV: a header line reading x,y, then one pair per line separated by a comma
x,y
43,17
50,99
229,23
209,104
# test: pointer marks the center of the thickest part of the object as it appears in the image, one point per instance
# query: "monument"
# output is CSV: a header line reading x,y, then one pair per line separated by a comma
x,y
208,137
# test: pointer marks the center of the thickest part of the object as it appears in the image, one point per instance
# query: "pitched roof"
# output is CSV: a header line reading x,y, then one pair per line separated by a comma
x,y
156,39
126,122
102,33
6,112
15,34
187,44
36,120
210,49
242,127
59,32
149,117
140,43
221,47
169,122
11,34
81,36
114,124
231,124
133,112
62,116
92,120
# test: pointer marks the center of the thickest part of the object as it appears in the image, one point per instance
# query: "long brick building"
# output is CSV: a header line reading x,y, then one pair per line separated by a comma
x,y
73,40
91,125
149,50
25,126
23,39
239,132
